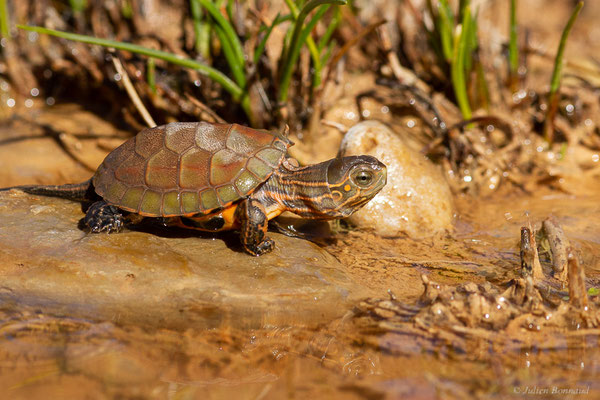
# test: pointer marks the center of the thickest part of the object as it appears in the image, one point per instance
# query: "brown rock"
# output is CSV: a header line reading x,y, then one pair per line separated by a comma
x,y
161,277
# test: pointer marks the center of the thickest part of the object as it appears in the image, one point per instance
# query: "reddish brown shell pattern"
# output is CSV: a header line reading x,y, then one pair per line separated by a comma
x,y
188,168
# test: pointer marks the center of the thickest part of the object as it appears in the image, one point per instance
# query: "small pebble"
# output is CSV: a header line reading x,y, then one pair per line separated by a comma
x,y
35,210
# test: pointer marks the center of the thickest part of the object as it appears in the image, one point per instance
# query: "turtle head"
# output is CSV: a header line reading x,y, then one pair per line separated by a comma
x,y
331,189
353,181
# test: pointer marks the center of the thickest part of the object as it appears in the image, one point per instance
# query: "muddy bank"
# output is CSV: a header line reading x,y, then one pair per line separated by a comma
x,y
164,313
158,317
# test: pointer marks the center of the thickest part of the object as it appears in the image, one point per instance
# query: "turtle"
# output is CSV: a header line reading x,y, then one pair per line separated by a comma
x,y
218,176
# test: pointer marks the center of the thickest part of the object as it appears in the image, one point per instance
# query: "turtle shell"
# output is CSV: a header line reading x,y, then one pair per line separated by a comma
x,y
188,168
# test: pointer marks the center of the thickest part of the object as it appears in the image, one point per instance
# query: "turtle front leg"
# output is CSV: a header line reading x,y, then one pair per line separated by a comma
x,y
253,233
102,217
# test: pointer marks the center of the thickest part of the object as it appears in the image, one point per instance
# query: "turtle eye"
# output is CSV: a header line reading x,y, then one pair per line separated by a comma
x,y
363,178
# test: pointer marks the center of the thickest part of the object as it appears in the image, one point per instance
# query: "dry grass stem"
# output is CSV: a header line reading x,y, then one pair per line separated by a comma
x,y
135,98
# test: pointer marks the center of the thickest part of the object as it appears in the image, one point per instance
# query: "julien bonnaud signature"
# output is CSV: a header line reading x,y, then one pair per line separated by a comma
x,y
550,390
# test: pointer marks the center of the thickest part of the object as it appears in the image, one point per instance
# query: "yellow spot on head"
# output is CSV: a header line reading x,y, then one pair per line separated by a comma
x,y
347,188
336,195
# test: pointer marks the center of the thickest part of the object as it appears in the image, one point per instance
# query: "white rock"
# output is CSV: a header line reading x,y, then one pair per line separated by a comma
x,y
416,200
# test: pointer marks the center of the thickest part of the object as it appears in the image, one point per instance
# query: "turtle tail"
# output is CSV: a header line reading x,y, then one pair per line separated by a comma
x,y
76,191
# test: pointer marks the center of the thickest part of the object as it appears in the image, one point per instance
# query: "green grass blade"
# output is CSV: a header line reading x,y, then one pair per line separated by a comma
x,y
462,5
513,50
326,56
313,49
474,37
299,36
237,69
205,42
78,6
457,69
483,91
559,60
324,41
260,49
472,43
151,74
444,8
229,9
126,9
293,8
288,34
196,11
278,20
4,20
468,29
557,75
303,37
212,73
433,35
445,26
230,34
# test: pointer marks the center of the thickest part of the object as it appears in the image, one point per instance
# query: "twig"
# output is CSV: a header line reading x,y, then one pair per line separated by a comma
x,y
530,261
135,98
488,120
203,107
570,64
577,293
403,75
558,246
334,124
437,124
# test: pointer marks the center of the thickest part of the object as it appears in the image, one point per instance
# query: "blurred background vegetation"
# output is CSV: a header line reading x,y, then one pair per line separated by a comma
x,y
479,95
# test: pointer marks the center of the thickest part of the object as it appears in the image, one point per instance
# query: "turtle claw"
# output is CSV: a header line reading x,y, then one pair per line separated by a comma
x,y
253,232
108,225
265,247
102,217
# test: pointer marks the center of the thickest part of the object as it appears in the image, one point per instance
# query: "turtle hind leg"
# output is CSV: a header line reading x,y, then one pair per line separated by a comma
x,y
253,233
102,217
